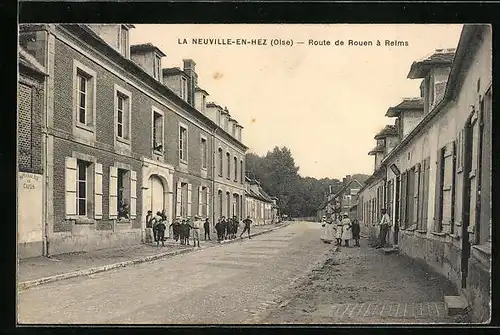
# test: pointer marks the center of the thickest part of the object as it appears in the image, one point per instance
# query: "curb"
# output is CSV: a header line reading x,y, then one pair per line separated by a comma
x,y
79,273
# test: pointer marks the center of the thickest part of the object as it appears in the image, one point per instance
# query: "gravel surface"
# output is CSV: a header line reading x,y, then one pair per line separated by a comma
x,y
365,285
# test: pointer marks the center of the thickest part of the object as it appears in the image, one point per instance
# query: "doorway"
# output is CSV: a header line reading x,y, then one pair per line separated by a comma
x,y
467,205
396,210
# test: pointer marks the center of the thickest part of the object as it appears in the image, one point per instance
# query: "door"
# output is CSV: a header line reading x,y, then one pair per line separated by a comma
x,y
157,203
396,211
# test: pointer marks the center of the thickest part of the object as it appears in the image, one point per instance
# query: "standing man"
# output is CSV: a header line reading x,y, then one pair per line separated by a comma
x,y
355,232
160,232
218,228
247,223
182,232
206,228
385,223
196,226
175,228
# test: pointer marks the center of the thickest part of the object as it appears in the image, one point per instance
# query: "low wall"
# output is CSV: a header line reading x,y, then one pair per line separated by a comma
x,y
88,238
479,291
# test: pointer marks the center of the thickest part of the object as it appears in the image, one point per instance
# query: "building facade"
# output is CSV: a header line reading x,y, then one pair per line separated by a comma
x,y
438,178
124,136
30,180
261,208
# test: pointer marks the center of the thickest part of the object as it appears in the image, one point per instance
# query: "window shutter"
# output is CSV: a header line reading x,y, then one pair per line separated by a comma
x,y
208,202
425,210
189,199
70,180
178,199
437,192
417,203
403,195
97,191
113,192
133,194
200,200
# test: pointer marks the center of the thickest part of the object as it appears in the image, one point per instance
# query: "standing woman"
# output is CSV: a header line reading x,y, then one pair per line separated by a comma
x,y
338,233
346,230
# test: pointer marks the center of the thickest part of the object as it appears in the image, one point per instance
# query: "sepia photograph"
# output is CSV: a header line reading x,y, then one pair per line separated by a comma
x,y
268,174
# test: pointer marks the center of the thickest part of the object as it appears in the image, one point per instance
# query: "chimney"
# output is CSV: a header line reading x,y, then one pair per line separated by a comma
x,y
348,177
189,69
343,180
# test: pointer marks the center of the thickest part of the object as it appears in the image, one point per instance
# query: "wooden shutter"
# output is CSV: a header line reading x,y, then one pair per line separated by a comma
x,y
113,192
425,210
437,193
189,200
70,185
178,199
416,195
200,200
97,191
133,194
403,196
208,202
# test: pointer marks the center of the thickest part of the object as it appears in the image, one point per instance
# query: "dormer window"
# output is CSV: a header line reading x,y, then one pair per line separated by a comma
x,y
157,67
124,42
184,88
203,103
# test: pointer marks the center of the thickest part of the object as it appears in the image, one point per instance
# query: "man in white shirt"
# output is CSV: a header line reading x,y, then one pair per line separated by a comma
x,y
197,224
385,224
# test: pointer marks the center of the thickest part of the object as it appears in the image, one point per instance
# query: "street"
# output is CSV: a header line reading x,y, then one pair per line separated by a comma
x,y
227,284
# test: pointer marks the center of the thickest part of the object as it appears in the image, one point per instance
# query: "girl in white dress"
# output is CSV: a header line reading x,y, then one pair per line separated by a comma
x,y
346,231
338,233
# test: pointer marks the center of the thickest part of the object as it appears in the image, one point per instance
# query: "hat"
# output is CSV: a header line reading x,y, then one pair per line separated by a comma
x,y
345,214
197,217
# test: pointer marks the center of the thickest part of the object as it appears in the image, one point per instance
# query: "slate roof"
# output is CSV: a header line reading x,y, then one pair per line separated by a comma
x,y
389,130
146,47
30,62
407,104
378,148
199,89
345,186
441,57
173,71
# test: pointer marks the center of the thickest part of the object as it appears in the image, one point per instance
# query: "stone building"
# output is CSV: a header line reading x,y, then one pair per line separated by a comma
x,y
123,137
259,205
438,178
30,180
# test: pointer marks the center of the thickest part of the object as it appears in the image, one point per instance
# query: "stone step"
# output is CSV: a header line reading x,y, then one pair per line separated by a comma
x,y
389,250
455,304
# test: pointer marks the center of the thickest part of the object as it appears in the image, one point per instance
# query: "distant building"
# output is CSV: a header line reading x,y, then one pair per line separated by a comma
x,y
259,205
340,201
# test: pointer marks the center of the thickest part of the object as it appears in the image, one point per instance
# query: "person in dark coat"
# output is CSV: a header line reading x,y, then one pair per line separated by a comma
x,y
218,229
160,233
182,232
225,229
206,228
355,232
247,223
188,228
175,229
155,221
236,226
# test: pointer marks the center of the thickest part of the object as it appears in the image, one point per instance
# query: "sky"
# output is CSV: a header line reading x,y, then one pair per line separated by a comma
x,y
324,102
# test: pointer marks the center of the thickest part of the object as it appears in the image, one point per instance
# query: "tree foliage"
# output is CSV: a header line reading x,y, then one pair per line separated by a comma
x,y
298,196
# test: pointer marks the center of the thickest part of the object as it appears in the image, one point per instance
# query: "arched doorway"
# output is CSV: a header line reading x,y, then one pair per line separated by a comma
x,y
155,197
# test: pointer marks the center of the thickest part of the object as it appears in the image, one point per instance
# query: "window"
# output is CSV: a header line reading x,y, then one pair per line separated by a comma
x,y
124,44
221,161
25,151
242,173
184,200
123,192
157,67
228,205
218,117
158,132
183,144
235,169
203,153
84,96
184,88
82,188
203,201
122,114
203,103
220,202
228,160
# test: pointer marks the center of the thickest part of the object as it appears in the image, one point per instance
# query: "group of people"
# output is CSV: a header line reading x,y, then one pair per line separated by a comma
x,y
340,227
227,229
183,229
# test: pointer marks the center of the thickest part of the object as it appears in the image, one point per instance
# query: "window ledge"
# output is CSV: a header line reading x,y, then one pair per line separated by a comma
x,y
159,153
472,174
123,140
483,248
435,233
85,127
454,236
421,231
82,220
447,188
183,162
123,221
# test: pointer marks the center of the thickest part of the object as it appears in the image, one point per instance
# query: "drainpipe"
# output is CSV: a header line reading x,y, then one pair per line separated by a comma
x,y
45,150
214,170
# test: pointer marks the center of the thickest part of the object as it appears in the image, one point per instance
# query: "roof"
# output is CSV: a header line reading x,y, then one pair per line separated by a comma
x,y
389,130
346,185
466,49
378,148
375,176
145,47
173,71
28,61
213,104
413,104
441,57
199,89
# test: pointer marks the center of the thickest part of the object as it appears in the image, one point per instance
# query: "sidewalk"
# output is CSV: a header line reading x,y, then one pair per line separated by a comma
x,y
39,270
366,285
